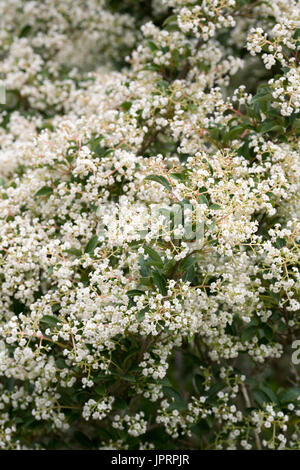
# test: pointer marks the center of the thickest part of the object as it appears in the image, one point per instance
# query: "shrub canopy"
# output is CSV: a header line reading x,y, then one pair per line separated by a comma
x,y
149,224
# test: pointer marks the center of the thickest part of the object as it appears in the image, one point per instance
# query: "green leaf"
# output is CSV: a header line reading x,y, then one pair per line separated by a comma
x,y
100,390
146,281
25,31
263,94
234,133
74,251
83,440
49,320
159,179
203,199
90,247
141,313
50,271
183,176
216,388
60,363
289,396
55,307
248,333
163,85
215,207
260,397
276,296
154,256
187,263
153,67
177,403
129,378
10,384
297,33
215,133
45,191
280,242
296,124
268,332
160,281
199,383
134,292
120,404
152,46
126,105
270,126
212,225
269,392
170,19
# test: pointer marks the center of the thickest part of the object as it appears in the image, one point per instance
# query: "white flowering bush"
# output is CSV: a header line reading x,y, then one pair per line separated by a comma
x,y
149,224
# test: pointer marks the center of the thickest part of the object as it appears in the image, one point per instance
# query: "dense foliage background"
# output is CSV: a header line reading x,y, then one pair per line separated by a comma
x,y
149,224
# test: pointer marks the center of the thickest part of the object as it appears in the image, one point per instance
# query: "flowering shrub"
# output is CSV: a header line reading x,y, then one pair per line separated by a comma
x,y
149,224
